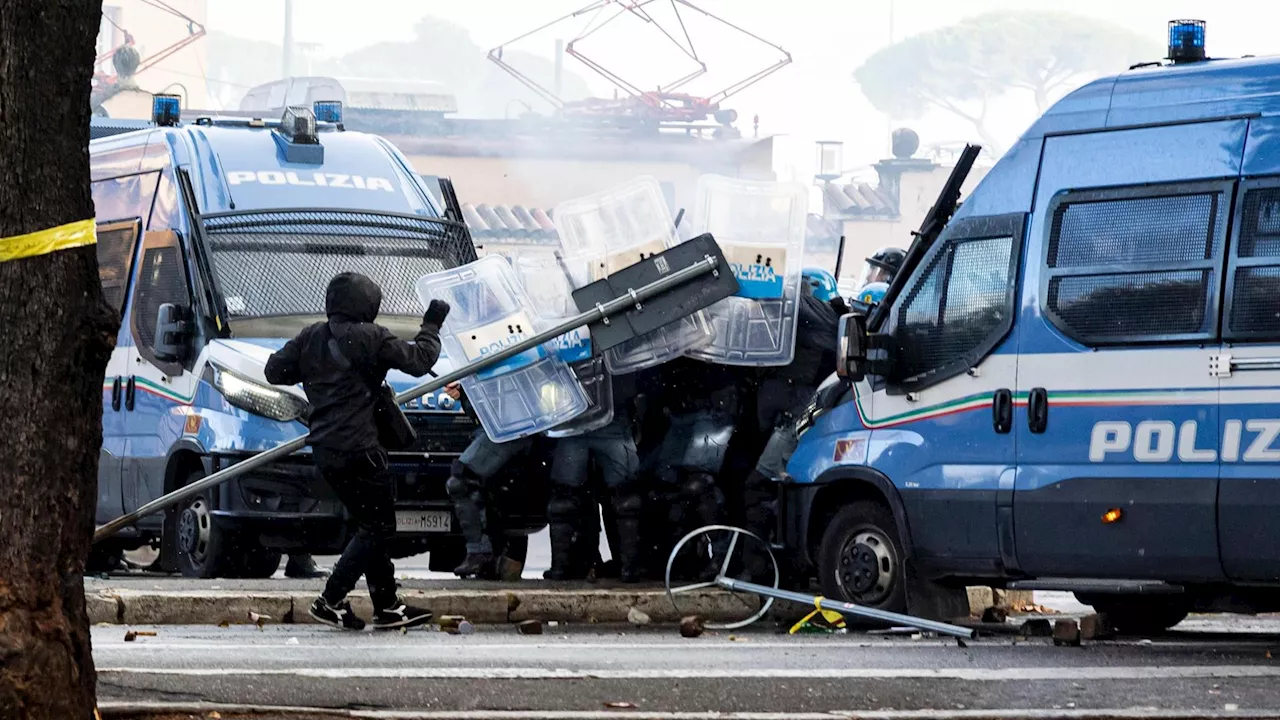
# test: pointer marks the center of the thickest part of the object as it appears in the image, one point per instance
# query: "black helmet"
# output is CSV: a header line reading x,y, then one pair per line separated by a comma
x,y
889,258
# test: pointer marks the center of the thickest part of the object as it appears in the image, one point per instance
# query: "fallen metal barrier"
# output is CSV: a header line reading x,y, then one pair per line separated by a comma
x,y
722,580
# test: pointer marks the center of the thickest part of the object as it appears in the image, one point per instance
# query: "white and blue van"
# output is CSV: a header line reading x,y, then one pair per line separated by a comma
x,y
1079,380
216,240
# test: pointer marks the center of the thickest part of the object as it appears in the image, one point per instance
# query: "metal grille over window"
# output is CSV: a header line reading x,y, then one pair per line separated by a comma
x,y
1255,293
161,281
961,302
115,252
270,264
1134,269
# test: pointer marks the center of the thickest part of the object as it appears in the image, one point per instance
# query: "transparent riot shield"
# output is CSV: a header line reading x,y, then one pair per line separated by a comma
x,y
527,394
546,279
615,229
760,227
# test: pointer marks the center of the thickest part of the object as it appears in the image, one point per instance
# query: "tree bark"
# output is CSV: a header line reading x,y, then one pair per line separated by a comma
x,y
56,333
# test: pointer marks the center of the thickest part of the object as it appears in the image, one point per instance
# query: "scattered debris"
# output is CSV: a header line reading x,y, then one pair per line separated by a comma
x,y
1231,707
692,626
448,622
1037,627
995,615
1032,609
1066,632
961,643
529,627
620,705
257,619
224,624
291,641
1096,627
637,617
513,602
132,635
215,715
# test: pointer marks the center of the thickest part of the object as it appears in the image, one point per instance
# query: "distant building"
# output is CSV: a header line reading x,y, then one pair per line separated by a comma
x,y
884,215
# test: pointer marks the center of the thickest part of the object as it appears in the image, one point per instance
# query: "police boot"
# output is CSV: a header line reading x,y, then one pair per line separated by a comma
x,y
303,567
476,564
699,497
759,500
628,549
564,514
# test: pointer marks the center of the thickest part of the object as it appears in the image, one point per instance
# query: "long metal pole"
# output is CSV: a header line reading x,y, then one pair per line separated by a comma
x,y
844,608
600,312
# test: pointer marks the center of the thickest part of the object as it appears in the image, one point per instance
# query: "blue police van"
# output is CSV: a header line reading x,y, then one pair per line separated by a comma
x,y
1076,386
216,240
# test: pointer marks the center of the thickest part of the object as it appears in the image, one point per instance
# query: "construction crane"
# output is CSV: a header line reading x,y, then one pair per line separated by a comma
x,y
102,81
664,104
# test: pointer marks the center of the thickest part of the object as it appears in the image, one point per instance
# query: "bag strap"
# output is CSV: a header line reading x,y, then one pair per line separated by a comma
x,y
336,351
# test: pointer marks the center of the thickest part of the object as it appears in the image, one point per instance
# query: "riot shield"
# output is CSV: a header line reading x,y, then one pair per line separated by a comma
x,y
526,394
546,279
760,226
615,229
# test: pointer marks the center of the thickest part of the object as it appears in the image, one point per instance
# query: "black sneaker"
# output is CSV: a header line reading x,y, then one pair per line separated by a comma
x,y
339,616
400,615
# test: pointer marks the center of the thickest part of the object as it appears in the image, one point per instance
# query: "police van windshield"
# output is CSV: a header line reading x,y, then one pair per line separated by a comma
x,y
271,268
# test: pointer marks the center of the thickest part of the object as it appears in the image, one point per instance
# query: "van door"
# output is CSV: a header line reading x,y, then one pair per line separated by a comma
x,y
1118,412
116,244
1249,368
163,390
942,426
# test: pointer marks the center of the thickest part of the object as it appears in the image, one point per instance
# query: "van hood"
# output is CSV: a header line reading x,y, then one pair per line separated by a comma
x,y
248,357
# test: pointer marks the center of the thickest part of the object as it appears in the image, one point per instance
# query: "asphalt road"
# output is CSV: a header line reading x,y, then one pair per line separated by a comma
x,y
584,669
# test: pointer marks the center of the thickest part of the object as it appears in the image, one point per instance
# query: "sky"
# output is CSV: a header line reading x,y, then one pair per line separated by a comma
x,y
814,98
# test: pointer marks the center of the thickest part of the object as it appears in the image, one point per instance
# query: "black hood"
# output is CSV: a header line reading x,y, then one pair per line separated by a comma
x,y
352,297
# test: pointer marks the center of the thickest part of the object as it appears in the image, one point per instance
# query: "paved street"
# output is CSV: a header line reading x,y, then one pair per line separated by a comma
x,y
584,669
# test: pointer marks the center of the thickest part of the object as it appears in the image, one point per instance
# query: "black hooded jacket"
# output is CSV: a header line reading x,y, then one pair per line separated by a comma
x,y
339,385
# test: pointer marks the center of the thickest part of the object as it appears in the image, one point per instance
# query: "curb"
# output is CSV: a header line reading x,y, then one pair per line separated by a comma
x,y
213,607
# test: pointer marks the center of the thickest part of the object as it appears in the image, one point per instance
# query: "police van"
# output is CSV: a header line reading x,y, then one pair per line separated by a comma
x,y
216,241
1077,385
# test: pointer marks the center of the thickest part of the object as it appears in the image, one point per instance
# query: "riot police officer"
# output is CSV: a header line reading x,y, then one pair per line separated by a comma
x,y
882,266
479,463
612,449
784,392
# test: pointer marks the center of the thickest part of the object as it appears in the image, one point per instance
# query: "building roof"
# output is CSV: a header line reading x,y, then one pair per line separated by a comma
x,y
859,200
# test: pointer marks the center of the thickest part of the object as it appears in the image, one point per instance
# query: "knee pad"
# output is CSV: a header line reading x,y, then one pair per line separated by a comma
x,y
563,508
457,468
628,504
696,484
456,486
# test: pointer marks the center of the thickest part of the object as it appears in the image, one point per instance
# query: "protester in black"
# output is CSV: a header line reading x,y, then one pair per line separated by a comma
x,y
341,363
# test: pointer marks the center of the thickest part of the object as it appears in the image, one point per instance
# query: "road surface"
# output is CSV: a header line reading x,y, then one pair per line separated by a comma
x,y
583,669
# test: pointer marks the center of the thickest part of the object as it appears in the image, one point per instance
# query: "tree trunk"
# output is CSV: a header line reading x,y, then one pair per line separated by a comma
x,y
55,338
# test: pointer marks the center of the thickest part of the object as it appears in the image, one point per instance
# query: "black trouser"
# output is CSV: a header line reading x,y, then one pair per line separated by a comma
x,y
477,465
614,453
369,498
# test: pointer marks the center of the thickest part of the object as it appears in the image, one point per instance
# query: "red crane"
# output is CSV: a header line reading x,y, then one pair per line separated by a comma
x,y
663,104
195,31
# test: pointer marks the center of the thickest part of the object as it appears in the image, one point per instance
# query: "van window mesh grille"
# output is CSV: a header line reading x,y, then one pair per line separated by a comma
x,y
1176,228
280,262
1255,297
1107,307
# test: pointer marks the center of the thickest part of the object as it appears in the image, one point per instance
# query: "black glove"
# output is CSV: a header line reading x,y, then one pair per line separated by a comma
x,y
437,311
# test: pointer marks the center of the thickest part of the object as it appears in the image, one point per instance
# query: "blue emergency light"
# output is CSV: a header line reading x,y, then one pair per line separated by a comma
x,y
329,111
1186,40
166,110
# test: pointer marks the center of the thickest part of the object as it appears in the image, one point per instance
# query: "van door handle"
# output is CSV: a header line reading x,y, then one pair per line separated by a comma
x,y
1038,410
128,394
1002,411
115,395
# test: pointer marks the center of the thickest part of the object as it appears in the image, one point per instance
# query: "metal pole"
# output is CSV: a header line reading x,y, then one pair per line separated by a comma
x,y
606,310
287,63
844,608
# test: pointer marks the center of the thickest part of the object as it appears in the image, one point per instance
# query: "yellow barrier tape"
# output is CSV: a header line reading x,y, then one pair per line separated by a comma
x,y
43,242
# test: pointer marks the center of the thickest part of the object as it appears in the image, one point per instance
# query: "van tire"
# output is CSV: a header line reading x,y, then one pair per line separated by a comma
x,y
860,559
1138,614
203,550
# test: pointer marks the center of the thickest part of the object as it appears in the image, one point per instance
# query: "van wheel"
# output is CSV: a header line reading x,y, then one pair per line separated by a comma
x,y
1138,615
860,558
204,551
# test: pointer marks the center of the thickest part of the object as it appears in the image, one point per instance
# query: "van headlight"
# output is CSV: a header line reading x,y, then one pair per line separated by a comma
x,y
255,397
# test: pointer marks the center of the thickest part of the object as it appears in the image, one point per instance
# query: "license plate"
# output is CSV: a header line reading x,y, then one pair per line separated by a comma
x,y
423,521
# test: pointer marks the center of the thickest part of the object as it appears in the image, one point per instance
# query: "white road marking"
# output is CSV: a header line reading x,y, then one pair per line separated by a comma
x,y
535,673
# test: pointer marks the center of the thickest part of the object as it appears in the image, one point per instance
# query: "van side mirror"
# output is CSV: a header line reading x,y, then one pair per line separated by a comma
x,y
172,333
851,344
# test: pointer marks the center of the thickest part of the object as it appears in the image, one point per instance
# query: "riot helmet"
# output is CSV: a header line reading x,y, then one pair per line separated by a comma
x,y
873,293
882,266
822,283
